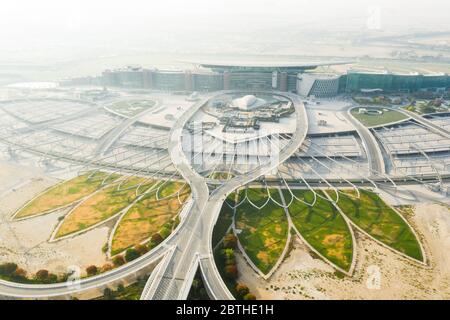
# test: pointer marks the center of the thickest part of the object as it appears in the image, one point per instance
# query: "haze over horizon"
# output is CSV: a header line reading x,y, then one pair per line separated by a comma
x,y
26,24
49,33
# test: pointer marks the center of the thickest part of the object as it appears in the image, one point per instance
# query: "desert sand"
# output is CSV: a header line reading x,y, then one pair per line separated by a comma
x,y
26,242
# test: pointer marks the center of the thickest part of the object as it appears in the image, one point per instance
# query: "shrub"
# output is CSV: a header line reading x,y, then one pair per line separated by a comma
x,y
52,278
249,296
108,294
141,249
118,260
242,289
156,239
106,267
231,271
165,231
230,241
42,275
64,277
120,288
91,270
20,273
7,269
228,255
131,254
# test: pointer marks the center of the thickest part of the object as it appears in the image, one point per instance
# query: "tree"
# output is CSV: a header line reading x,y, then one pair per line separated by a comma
x,y
229,257
242,289
120,288
141,249
20,273
64,277
6,269
196,284
118,261
131,254
108,294
231,271
92,270
52,278
157,238
106,267
42,275
230,241
249,296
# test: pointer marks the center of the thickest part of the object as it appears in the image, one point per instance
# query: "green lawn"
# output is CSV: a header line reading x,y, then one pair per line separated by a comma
x,y
323,227
64,194
131,292
224,221
426,108
149,216
264,232
99,207
377,120
379,220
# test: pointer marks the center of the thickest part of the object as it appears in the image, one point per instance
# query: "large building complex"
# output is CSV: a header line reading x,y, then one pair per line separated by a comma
x,y
301,78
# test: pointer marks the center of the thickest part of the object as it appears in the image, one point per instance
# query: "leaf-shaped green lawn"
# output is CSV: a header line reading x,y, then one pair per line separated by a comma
x,y
379,220
264,232
99,206
150,216
64,194
322,226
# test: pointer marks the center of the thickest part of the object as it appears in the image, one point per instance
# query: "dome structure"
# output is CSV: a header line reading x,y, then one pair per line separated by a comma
x,y
248,102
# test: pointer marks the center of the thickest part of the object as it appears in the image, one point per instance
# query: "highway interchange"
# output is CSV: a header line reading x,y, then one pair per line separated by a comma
x,y
189,246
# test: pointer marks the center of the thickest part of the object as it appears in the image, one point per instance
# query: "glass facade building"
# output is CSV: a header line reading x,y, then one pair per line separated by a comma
x,y
388,82
266,78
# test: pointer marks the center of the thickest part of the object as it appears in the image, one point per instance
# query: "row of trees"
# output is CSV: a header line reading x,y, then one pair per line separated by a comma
x,y
230,268
12,272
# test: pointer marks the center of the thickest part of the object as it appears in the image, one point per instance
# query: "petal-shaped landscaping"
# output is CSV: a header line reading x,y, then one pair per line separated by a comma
x,y
262,232
224,220
370,213
150,216
100,206
64,194
322,226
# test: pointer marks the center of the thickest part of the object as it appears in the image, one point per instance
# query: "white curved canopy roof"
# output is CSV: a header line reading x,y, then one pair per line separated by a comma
x,y
248,102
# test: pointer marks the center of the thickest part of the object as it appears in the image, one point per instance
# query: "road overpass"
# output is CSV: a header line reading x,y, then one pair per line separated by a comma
x,y
427,123
190,244
195,245
373,150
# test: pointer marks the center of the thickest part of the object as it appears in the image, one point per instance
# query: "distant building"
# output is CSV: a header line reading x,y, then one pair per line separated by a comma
x,y
391,82
267,76
318,85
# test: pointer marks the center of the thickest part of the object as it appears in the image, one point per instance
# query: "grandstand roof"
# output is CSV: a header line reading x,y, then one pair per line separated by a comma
x,y
266,65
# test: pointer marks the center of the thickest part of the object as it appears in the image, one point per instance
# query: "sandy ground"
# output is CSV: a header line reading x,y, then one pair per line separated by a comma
x,y
379,273
26,242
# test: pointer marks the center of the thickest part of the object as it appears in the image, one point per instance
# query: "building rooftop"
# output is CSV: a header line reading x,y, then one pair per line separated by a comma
x,y
272,65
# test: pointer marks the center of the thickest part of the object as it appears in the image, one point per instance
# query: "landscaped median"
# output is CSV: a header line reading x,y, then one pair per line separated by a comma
x,y
145,211
263,233
372,117
262,226
370,213
150,216
100,206
322,227
64,194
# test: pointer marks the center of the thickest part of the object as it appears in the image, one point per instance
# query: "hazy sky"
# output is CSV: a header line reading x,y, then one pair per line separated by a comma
x,y
50,18
33,25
